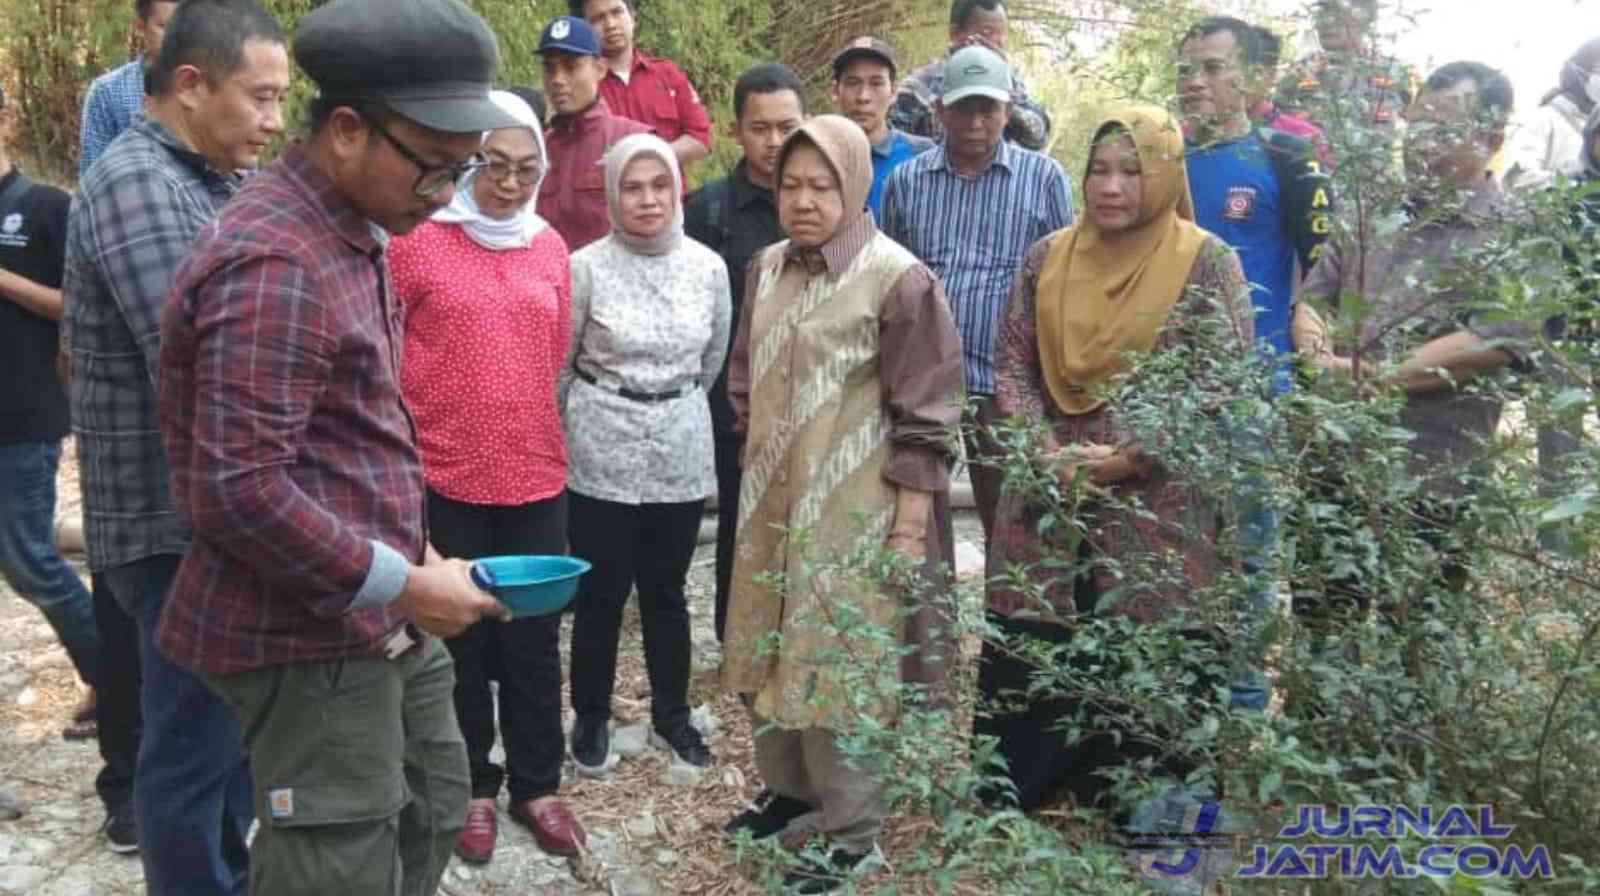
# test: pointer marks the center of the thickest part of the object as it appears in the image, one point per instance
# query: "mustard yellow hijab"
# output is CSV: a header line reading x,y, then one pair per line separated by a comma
x,y
1098,301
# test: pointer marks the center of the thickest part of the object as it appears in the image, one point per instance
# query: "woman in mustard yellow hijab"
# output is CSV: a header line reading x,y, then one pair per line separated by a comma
x,y
1133,278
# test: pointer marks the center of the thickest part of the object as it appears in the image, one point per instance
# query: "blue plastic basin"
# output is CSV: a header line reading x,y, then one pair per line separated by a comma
x,y
530,585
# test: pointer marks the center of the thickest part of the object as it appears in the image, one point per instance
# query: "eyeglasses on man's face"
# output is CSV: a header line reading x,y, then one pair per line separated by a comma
x,y
1210,68
431,178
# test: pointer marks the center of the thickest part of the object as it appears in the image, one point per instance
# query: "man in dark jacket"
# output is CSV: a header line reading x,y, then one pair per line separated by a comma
x,y
737,217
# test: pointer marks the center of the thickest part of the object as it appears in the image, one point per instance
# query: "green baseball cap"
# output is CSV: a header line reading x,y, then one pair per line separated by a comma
x,y
976,71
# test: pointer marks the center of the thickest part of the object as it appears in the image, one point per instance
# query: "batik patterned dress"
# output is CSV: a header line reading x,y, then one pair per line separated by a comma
x,y
1176,525
847,376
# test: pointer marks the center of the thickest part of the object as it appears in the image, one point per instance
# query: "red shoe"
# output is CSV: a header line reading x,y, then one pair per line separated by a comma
x,y
476,843
553,826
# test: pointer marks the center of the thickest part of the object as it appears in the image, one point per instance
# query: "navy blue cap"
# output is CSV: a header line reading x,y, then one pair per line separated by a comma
x,y
569,34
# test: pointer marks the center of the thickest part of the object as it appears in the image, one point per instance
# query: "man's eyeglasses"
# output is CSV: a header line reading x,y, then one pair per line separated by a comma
x,y
1211,68
430,178
499,171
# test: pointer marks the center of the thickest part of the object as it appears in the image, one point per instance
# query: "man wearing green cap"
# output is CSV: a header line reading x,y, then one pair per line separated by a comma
x,y
310,598
969,209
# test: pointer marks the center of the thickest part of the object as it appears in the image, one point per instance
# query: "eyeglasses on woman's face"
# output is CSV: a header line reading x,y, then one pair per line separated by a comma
x,y
501,170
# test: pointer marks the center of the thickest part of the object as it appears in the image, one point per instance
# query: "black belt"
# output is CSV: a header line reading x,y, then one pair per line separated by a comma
x,y
630,394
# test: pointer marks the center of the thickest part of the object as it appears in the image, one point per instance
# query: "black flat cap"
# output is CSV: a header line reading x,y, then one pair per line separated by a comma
x,y
430,61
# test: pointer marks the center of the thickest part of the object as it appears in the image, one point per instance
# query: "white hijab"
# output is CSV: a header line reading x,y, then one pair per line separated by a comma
x,y
616,161
517,231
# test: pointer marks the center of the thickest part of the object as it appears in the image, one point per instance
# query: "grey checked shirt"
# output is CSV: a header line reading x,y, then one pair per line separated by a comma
x,y
135,217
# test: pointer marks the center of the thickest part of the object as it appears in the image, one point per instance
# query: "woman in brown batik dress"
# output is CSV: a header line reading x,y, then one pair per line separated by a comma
x,y
1135,276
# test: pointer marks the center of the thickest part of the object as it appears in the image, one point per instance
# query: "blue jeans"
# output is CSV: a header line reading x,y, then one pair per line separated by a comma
x,y
1258,542
191,791
28,557
1258,537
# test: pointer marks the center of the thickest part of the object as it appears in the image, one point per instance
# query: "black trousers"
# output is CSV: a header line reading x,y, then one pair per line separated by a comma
x,y
523,655
644,545
1030,738
116,699
729,479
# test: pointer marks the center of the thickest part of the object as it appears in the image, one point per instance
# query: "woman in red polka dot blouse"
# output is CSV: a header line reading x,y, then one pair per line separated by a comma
x,y
487,292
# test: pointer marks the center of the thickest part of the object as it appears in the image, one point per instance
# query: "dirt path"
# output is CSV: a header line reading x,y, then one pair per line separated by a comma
x,y
649,831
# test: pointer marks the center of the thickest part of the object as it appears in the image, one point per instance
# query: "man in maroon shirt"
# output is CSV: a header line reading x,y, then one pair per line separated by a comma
x,y
573,196
647,89
309,597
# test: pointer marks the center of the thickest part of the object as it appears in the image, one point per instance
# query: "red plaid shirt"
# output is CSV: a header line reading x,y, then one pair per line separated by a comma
x,y
290,448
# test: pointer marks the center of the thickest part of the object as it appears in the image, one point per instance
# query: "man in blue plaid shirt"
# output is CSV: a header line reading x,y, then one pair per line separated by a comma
x,y
115,97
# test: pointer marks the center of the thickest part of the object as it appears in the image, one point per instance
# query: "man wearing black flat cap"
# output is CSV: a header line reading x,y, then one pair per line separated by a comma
x,y
310,598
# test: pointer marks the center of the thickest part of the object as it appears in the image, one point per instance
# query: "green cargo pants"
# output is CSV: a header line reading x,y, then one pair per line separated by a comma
x,y
360,773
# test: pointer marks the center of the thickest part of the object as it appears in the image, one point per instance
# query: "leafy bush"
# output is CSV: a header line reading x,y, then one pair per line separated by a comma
x,y
53,48
1471,680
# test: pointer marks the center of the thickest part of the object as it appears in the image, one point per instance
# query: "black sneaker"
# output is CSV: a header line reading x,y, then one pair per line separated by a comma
x,y
768,815
813,875
591,746
684,742
122,836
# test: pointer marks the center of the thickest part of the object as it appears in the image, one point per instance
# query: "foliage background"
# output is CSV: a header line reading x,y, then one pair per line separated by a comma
x,y
1079,55
51,49
1510,711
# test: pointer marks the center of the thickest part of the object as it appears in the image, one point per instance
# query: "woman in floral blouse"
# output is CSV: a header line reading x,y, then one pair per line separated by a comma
x,y
650,324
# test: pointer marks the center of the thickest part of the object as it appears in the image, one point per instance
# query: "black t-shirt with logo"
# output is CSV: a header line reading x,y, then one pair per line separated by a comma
x,y
33,231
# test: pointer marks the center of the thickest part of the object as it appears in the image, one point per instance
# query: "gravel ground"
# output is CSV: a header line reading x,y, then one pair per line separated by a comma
x,y
652,828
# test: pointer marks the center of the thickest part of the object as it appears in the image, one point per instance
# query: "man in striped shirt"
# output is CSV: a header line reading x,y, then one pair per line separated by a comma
x,y
969,209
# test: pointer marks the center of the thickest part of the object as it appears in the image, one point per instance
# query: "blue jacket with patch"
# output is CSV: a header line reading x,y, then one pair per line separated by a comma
x,y
1267,196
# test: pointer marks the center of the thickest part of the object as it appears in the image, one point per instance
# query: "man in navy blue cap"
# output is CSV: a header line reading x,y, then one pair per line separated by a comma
x,y
573,196
309,597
